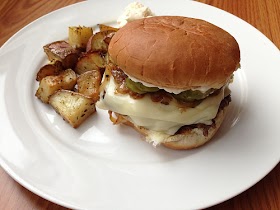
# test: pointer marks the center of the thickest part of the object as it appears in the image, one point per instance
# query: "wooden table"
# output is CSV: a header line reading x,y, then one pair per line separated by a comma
x,y
264,15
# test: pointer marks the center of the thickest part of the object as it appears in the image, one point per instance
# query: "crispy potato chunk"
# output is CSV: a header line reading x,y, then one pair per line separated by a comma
x,y
78,36
103,27
50,84
88,84
100,41
62,51
49,69
90,61
74,107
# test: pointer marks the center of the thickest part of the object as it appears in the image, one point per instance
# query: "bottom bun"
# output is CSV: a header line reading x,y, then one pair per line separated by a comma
x,y
192,138
187,137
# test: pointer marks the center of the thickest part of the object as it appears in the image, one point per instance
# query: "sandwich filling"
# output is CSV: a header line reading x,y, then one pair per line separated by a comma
x,y
162,113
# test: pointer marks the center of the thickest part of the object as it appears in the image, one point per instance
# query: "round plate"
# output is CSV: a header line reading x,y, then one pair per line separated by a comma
x,y
101,166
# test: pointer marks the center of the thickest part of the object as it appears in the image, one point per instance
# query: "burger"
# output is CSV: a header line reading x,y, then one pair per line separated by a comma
x,y
168,78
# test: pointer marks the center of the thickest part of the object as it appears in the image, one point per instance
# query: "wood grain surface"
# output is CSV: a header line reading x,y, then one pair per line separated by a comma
x,y
262,14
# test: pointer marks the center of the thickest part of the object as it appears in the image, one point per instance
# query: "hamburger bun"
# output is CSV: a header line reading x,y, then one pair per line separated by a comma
x,y
175,52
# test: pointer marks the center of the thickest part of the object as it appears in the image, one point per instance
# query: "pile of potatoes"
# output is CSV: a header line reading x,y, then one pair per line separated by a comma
x,y
70,81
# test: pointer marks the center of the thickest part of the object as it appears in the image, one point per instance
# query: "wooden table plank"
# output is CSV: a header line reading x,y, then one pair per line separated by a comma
x,y
263,15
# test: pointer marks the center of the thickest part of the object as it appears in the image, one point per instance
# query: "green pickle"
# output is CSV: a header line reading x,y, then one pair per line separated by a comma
x,y
186,96
192,95
138,87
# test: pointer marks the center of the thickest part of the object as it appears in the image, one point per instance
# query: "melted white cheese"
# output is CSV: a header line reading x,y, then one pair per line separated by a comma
x,y
156,137
156,116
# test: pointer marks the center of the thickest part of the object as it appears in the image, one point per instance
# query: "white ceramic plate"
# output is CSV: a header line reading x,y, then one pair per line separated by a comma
x,y
101,166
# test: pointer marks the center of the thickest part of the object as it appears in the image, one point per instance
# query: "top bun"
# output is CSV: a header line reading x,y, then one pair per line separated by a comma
x,y
175,52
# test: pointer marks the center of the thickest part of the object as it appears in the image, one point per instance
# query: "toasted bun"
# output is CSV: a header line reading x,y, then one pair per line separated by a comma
x,y
175,52
188,139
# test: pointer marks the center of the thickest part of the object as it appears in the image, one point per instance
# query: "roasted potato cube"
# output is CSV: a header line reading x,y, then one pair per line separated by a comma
x,y
103,27
62,51
90,61
74,107
100,41
50,84
79,36
49,70
88,84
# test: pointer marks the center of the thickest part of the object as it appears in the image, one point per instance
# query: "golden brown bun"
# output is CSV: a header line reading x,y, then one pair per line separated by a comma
x,y
188,139
175,52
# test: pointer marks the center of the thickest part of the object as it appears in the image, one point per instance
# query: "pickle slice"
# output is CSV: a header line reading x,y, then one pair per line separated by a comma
x,y
192,95
185,96
138,87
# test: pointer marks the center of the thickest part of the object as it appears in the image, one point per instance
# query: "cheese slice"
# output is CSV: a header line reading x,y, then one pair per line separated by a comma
x,y
156,116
